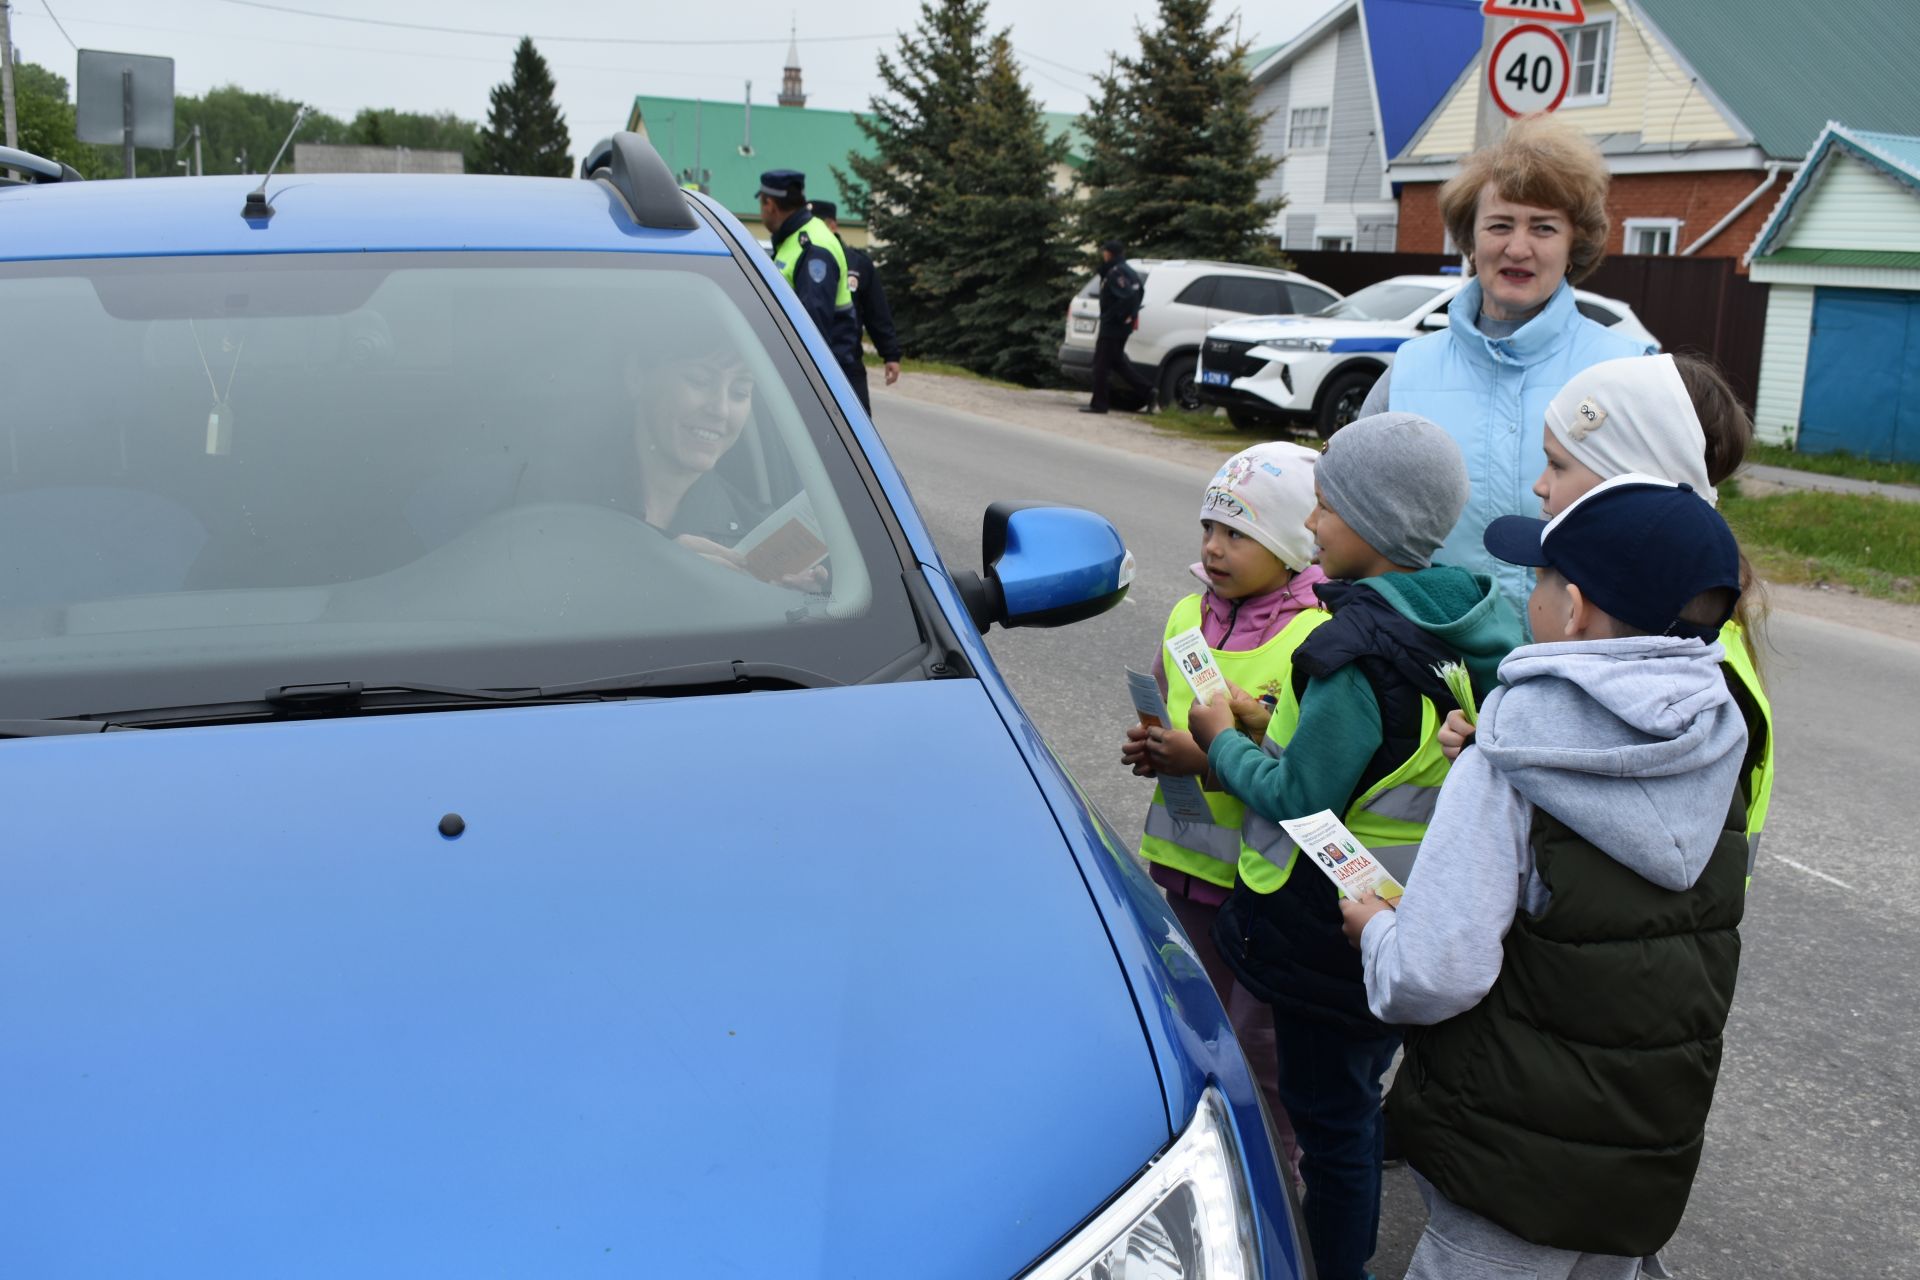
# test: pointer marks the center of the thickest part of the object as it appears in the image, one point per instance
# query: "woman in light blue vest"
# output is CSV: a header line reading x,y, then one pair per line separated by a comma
x,y
1531,213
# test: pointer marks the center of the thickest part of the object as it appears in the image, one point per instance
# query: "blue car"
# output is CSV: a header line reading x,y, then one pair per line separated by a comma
x,y
499,781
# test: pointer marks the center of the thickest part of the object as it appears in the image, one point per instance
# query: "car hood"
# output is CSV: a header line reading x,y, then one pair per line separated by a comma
x,y
801,983
1266,328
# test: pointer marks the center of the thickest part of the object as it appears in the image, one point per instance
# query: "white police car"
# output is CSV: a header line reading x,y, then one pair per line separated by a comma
x,y
1318,368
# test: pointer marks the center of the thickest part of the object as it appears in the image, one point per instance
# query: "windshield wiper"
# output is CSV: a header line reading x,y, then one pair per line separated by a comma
x,y
350,697
697,677
55,728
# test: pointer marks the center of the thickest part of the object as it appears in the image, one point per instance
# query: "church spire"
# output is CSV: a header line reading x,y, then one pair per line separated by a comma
x,y
791,92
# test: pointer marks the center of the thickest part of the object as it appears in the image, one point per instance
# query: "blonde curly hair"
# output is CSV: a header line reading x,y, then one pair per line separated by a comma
x,y
1543,162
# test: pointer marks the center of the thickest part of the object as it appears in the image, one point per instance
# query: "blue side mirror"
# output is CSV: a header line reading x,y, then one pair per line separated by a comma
x,y
1045,567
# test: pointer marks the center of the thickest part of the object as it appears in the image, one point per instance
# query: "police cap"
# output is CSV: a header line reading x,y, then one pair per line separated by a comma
x,y
825,209
785,185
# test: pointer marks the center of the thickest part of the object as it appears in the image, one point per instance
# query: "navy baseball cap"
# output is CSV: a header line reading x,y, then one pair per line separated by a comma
x,y
783,184
1638,547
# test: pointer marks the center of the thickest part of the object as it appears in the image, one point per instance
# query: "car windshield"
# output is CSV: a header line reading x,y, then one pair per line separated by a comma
x,y
1384,301
228,474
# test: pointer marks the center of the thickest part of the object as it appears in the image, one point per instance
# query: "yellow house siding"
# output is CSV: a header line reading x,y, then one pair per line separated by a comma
x,y
1783,362
1853,207
1452,132
1649,94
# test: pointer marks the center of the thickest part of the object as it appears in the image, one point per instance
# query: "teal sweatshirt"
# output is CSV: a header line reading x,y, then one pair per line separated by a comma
x,y
1339,730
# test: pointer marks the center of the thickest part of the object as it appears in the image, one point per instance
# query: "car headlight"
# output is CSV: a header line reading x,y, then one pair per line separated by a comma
x,y
1188,1217
1300,344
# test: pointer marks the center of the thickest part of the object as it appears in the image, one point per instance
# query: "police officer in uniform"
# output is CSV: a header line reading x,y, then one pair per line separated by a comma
x,y
1121,290
869,304
810,257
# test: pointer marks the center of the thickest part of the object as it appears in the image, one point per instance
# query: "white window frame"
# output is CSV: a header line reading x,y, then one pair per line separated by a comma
x,y
1633,226
1606,46
1322,127
1333,244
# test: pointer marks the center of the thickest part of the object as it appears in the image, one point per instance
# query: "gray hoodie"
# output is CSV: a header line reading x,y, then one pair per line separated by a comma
x,y
1634,743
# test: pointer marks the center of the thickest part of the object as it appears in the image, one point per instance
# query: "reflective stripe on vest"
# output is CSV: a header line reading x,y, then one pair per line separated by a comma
x,y
814,232
1739,666
1390,817
1210,850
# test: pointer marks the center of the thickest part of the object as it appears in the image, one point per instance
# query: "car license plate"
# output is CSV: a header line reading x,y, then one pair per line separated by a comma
x,y
1082,325
1216,377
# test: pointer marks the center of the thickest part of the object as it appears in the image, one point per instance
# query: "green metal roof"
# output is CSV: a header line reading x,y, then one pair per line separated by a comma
x,y
1786,67
1886,258
691,133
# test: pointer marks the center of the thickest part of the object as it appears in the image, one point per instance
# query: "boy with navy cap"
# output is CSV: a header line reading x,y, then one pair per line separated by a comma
x,y
1564,955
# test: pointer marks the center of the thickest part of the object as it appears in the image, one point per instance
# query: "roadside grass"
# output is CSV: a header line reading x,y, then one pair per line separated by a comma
x,y
1216,430
944,370
1835,464
1868,543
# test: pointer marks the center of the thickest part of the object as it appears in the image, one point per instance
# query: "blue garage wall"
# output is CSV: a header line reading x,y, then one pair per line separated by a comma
x,y
1863,375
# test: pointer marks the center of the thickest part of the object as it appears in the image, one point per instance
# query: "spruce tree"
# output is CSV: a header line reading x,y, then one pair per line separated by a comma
x,y
525,132
1174,167
1005,259
908,182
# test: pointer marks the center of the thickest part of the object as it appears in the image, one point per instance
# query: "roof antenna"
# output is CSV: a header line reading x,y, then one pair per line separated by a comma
x,y
256,205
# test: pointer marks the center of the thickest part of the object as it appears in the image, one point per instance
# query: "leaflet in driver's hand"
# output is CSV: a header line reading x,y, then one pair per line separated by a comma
x,y
786,543
1193,658
1325,841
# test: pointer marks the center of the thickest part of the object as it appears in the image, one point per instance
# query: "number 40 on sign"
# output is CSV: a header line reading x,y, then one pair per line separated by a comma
x,y
1529,70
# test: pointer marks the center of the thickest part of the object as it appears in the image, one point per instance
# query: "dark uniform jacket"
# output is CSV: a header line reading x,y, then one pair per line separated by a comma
x,y
870,302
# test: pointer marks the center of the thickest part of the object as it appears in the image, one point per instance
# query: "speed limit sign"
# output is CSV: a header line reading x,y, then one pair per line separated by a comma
x,y
1529,70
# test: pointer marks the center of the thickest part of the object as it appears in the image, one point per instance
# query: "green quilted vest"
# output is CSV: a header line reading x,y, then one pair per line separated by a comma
x,y
1570,1104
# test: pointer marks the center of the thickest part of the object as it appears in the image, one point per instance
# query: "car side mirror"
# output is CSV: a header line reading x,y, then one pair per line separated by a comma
x,y
1436,319
1045,566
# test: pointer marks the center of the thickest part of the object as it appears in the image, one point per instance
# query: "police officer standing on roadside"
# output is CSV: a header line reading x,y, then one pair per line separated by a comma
x,y
869,304
810,257
1121,290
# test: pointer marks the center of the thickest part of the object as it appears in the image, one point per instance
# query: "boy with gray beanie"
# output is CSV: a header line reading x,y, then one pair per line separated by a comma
x,y
1389,488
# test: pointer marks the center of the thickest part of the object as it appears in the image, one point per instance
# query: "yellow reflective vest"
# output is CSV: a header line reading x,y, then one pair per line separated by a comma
x,y
1211,851
814,232
1390,817
1752,697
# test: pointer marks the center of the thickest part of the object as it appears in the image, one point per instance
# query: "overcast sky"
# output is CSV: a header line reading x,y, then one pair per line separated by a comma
x,y
601,52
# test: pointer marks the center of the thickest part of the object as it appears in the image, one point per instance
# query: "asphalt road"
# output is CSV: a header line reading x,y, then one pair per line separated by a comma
x,y
1810,1166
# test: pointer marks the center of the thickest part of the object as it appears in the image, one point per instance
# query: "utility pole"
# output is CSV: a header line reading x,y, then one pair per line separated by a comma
x,y
199,166
12,121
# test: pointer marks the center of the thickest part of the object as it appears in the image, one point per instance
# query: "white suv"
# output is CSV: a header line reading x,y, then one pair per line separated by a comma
x,y
1184,298
1318,369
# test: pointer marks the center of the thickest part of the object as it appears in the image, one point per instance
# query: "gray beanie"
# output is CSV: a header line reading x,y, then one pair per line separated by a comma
x,y
1398,481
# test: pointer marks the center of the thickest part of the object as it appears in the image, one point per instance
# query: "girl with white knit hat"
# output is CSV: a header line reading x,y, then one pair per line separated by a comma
x,y
1257,603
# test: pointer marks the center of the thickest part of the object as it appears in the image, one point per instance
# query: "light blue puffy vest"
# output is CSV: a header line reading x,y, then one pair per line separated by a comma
x,y
1491,395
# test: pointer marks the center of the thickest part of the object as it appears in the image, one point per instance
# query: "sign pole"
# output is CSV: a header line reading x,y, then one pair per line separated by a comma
x,y
1489,122
12,120
126,116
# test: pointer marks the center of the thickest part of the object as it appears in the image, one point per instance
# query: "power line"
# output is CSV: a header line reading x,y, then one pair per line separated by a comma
x,y
56,22
1034,57
552,39
556,64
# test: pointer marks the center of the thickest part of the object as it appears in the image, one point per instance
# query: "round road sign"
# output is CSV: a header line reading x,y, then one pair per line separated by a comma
x,y
1529,70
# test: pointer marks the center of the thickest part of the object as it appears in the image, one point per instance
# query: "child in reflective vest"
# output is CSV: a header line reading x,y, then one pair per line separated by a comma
x,y
1389,489
1673,418
1257,605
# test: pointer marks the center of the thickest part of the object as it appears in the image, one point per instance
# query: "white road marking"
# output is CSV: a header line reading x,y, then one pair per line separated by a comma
x,y
1818,875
